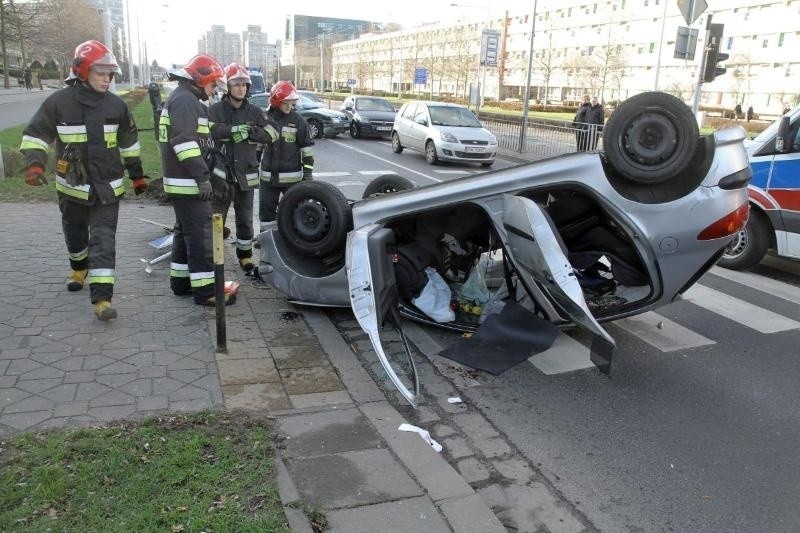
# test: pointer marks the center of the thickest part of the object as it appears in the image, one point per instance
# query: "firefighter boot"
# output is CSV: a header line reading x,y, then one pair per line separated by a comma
x,y
229,299
104,311
75,280
246,263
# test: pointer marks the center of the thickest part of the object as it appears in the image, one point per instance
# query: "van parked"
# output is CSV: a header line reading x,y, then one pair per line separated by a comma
x,y
774,192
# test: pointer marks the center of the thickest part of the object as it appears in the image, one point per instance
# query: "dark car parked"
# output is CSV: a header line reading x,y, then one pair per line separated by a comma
x,y
321,121
369,116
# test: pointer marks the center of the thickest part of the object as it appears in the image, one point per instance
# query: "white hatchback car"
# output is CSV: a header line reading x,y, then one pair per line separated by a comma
x,y
443,132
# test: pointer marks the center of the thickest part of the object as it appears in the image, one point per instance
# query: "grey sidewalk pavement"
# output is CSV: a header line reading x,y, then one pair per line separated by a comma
x,y
341,451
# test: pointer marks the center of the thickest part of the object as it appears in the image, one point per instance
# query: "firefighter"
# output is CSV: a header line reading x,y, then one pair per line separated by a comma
x,y
238,131
186,145
92,129
290,158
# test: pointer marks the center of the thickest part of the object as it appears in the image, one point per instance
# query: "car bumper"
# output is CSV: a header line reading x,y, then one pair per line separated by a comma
x,y
335,129
461,153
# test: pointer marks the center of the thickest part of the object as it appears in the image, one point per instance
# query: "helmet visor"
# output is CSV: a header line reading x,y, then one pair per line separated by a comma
x,y
221,85
105,69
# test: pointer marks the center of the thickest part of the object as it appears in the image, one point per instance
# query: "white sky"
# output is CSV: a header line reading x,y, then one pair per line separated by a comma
x,y
171,28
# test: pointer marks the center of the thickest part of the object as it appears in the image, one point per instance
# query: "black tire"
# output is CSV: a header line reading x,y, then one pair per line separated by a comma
x,y
396,146
651,138
749,246
430,153
354,133
314,218
487,164
387,184
315,128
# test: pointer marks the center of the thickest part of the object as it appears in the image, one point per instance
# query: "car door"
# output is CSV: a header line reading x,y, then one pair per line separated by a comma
x,y
419,128
537,252
374,300
404,123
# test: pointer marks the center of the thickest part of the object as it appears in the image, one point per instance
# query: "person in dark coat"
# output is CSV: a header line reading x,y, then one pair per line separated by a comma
x,y
750,114
580,124
595,120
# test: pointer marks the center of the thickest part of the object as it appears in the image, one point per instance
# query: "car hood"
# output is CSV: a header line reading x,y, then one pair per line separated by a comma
x,y
325,112
466,132
387,116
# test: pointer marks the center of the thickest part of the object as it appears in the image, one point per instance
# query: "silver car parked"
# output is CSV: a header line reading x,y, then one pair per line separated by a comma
x,y
443,132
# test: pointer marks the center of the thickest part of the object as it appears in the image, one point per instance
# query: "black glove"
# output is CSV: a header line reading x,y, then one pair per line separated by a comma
x,y
220,188
206,192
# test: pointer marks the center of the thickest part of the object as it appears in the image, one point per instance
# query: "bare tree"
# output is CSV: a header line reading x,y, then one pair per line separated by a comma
x,y
63,25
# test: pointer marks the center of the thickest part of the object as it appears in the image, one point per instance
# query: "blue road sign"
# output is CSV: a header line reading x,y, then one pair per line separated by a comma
x,y
421,76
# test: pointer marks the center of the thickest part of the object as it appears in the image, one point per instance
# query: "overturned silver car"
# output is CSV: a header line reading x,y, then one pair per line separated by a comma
x,y
577,239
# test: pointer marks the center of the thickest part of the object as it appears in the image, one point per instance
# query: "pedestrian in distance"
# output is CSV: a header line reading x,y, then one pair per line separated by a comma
x,y
27,78
94,136
580,124
238,129
186,145
750,114
595,119
288,159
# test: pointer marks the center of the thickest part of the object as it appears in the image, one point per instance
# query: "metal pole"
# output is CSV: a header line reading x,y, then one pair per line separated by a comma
x,y
698,88
219,280
130,45
660,45
524,125
107,38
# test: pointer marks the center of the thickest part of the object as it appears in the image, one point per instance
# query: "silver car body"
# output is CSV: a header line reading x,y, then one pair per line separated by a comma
x,y
513,202
453,130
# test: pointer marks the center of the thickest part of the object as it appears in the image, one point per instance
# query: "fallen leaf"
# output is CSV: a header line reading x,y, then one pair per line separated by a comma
x,y
177,528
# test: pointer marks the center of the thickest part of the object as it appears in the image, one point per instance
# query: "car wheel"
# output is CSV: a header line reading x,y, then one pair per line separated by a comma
x,y
386,184
315,128
651,138
396,146
487,164
430,153
314,218
354,130
748,247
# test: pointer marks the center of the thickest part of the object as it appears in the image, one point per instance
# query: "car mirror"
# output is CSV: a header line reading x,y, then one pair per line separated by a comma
x,y
422,121
783,132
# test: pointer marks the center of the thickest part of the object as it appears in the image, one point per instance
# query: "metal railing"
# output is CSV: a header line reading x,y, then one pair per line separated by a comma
x,y
544,139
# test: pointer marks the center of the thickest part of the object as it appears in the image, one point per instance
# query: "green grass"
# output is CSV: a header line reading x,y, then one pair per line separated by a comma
x,y
204,472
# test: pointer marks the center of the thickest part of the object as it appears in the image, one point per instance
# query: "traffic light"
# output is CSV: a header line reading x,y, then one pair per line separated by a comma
x,y
713,55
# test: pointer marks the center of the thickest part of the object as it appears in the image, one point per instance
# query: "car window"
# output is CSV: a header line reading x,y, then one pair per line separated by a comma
x,y
258,100
373,104
409,111
307,103
453,116
421,113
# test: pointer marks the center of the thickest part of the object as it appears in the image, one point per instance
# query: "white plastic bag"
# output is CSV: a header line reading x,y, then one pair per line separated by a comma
x,y
434,299
474,289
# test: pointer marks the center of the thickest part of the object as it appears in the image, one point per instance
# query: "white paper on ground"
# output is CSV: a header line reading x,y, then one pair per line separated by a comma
x,y
426,436
454,399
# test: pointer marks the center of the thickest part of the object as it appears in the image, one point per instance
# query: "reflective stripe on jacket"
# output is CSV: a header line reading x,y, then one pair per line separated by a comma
x,y
291,157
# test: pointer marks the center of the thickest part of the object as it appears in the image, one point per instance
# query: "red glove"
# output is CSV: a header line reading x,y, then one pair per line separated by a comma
x,y
34,175
139,185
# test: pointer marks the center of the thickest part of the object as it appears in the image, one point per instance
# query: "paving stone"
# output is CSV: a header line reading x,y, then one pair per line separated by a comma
x,y
349,479
530,507
188,392
320,399
238,350
411,514
244,371
256,397
29,404
66,409
443,430
492,447
457,447
113,397
472,470
81,376
93,362
298,356
474,425
514,468
43,372
37,385
310,380
23,421
470,514
61,393
153,372
113,412
192,406
165,385
6,382
138,387
326,432
152,403
11,396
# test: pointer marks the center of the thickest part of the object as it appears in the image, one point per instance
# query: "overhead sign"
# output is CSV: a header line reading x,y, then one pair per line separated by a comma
x,y
685,43
691,9
490,47
421,75
351,82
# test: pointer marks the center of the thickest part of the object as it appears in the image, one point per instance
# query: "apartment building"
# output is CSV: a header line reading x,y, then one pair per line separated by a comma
x,y
612,48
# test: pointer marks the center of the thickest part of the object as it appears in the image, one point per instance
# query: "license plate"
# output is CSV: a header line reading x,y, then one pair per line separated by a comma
x,y
383,128
474,149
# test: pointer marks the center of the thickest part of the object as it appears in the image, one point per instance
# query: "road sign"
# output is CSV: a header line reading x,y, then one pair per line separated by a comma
x,y
691,9
420,76
685,43
490,46
351,82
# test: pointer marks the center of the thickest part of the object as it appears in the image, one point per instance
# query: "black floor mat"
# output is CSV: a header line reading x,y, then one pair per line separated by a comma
x,y
503,340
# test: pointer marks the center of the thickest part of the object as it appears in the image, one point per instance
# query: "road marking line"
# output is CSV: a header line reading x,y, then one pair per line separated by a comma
x,y
565,355
773,287
345,183
744,313
669,337
375,172
362,152
331,174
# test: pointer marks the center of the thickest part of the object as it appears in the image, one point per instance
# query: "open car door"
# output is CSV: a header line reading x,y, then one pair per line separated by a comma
x,y
374,299
540,258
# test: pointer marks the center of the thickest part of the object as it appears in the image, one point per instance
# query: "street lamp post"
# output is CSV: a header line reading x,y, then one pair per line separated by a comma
x,y
523,128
